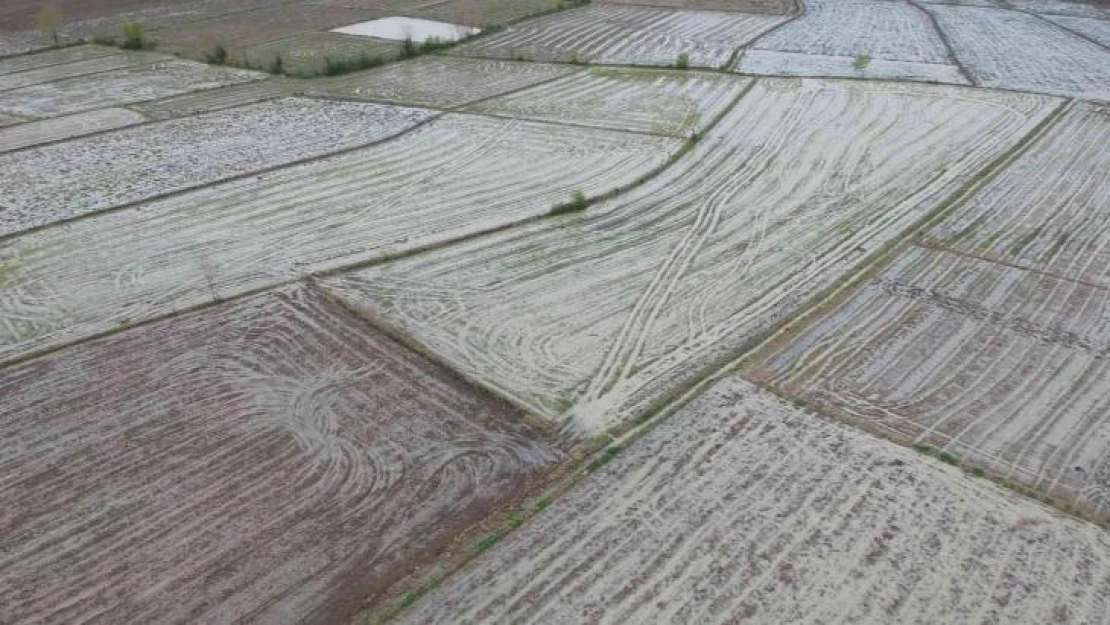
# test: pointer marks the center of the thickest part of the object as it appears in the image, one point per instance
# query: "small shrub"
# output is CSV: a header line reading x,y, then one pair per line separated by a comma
x,y
949,458
977,472
925,448
682,62
408,48
602,460
541,504
277,66
576,204
218,56
104,41
861,61
133,37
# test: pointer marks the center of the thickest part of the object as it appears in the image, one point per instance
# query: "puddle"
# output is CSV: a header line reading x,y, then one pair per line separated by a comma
x,y
401,28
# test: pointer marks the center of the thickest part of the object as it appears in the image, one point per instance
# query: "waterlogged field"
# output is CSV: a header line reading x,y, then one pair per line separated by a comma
x,y
897,38
599,316
628,35
1016,50
456,176
664,102
742,508
123,86
1003,366
79,177
439,81
1050,210
269,460
67,127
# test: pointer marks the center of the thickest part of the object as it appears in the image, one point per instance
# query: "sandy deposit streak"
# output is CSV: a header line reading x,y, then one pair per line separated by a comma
x,y
627,35
899,40
666,102
458,175
78,177
1015,50
272,460
1003,366
135,84
742,508
1050,210
599,316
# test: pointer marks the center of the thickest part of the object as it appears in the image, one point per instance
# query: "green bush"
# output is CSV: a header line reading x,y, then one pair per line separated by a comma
x,y
218,56
133,37
577,203
682,62
861,61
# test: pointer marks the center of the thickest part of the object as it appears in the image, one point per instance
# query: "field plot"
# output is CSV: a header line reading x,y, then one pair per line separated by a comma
x,y
740,508
438,81
235,32
273,460
1096,29
484,12
626,35
1003,366
898,40
8,120
597,317
1075,8
79,68
22,42
124,86
307,54
665,102
1016,50
50,58
1050,210
82,176
459,175
67,127
211,100
748,6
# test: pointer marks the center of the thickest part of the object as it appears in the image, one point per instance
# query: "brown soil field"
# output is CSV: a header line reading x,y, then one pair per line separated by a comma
x,y
743,509
268,460
483,12
236,32
20,14
747,6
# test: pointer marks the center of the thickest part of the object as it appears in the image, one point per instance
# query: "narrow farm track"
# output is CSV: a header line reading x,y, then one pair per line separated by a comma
x,y
600,316
456,176
268,460
741,507
83,176
639,100
627,35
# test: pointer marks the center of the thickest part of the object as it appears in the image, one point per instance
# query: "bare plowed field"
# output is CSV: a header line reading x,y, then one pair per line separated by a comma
x,y
599,316
1050,210
778,7
438,81
627,35
58,128
273,460
664,102
82,176
97,65
124,86
459,175
1003,366
741,508
1016,50
216,99
1096,29
897,38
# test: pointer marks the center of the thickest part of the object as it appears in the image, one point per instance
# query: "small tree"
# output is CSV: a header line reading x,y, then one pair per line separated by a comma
x,y
861,61
133,38
218,55
277,67
48,20
683,61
